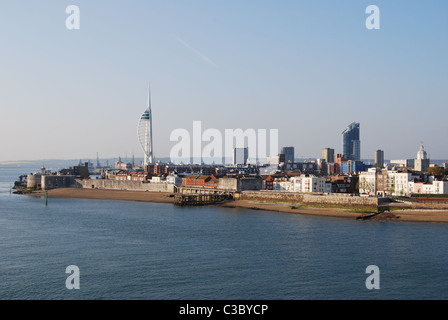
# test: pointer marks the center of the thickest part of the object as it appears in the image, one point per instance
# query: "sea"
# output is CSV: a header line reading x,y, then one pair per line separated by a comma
x,y
82,249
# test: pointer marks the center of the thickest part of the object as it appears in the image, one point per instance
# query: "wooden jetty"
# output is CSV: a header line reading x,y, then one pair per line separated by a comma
x,y
200,199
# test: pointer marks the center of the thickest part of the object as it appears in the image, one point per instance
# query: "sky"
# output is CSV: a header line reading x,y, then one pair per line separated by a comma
x,y
307,68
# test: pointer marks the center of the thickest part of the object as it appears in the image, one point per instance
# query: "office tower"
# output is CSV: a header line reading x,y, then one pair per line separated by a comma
x,y
240,156
351,145
289,154
144,133
379,158
328,155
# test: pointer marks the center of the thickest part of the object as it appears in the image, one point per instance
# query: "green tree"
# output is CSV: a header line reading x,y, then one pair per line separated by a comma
x,y
436,170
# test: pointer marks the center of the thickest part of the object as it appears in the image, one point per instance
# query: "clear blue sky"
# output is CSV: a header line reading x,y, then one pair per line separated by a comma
x,y
308,68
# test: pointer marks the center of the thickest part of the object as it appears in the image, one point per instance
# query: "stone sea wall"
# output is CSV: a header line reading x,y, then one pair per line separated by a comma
x,y
428,203
340,200
124,185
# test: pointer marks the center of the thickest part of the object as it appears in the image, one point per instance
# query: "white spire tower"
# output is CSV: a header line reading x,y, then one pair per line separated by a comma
x,y
144,132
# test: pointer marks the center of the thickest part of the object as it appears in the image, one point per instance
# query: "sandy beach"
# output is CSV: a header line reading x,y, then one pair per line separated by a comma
x,y
160,197
396,215
108,195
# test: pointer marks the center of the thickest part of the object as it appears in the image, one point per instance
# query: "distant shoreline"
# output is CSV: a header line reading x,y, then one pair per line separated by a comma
x,y
409,215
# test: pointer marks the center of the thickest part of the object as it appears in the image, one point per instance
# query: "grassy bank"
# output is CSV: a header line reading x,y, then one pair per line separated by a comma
x,y
298,205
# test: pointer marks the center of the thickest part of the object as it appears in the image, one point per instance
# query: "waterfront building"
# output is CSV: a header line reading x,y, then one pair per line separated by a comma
x,y
402,182
304,183
440,186
200,181
278,181
268,183
282,185
231,183
382,182
311,183
174,179
386,182
343,184
430,185
368,181
351,144
144,133
296,184
138,176
421,187
376,181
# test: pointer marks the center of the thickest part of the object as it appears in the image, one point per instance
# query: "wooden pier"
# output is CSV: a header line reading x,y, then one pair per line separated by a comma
x,y
200,199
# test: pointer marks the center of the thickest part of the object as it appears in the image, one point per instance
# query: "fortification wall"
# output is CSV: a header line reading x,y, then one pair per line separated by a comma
x,y
124,185
342,200
439,206
275,196
54,181
429,203
240,184
251,183
228,184
34,181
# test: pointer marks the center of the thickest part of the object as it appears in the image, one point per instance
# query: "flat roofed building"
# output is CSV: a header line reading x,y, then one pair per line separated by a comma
x,y
328,155
379,158
240,156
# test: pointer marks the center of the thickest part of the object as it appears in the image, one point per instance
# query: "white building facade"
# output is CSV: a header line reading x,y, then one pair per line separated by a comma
x,y
312,183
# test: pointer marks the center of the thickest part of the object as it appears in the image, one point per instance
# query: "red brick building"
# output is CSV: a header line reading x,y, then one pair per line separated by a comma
x,y
269,183
200,181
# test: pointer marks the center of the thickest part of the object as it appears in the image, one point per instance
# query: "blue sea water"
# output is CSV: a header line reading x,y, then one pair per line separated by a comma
x,y
137,250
